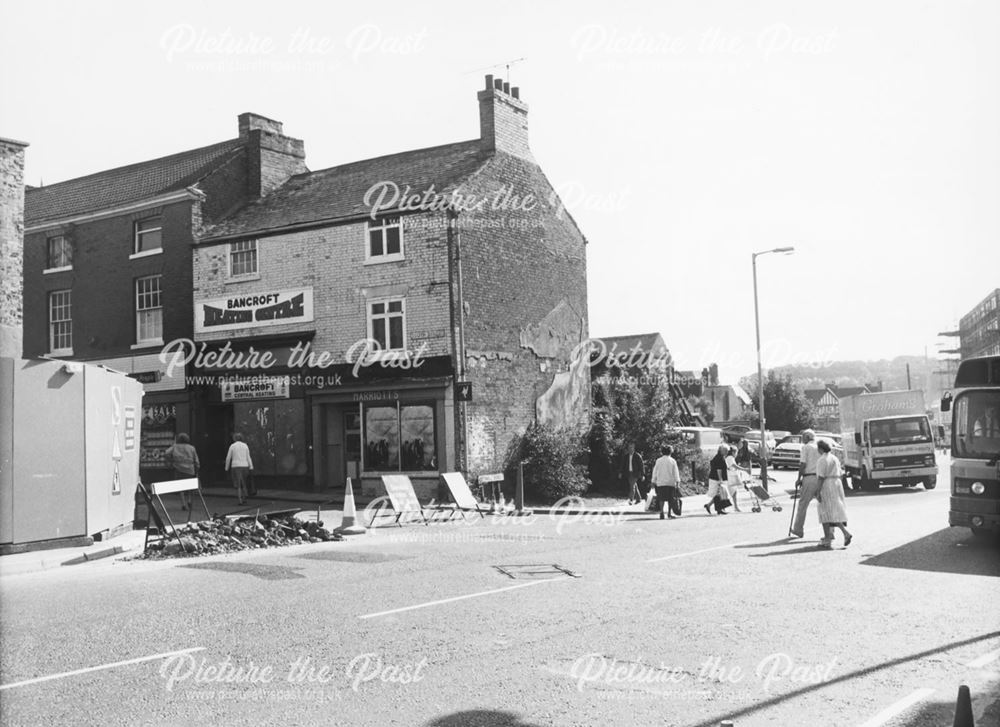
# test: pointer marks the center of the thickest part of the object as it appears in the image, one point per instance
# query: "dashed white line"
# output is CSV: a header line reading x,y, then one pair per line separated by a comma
x,y
61,675
462,598
984,660
694,552
898,708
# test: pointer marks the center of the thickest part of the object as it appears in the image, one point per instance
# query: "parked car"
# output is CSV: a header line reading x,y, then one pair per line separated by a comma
x,y
707,439
789,449
787,452
753,440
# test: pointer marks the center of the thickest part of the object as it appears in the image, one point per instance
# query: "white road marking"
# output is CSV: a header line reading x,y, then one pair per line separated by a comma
x,y
983,660
462,598
694,552
898,708
98,668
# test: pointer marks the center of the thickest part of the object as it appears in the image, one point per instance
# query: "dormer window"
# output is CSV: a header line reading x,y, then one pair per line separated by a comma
x,y
385,241
148,236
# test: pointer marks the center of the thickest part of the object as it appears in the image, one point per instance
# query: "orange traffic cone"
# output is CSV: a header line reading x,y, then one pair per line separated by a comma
x,y
350,525
963,709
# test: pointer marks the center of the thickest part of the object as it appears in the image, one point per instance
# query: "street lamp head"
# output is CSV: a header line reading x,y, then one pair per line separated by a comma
x,y
782,250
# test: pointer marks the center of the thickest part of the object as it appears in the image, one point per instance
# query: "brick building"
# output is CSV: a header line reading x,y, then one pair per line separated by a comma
x,y
107,262
374,288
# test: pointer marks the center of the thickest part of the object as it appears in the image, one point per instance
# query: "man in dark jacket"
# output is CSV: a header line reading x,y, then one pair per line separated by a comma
x,y
632,473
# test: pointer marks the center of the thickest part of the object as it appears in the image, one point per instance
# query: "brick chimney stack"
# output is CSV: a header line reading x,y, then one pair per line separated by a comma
x,y
503,119
272,157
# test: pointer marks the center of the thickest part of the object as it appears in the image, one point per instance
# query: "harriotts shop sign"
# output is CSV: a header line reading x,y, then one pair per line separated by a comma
x,y
250,310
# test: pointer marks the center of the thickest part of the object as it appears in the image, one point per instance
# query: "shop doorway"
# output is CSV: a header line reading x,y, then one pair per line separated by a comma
x,y
342,445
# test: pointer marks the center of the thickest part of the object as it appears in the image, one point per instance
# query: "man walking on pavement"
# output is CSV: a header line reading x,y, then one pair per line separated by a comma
x,y
632,471
807,484
666,479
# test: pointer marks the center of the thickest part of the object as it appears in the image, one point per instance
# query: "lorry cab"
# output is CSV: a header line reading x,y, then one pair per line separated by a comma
x,y
888,440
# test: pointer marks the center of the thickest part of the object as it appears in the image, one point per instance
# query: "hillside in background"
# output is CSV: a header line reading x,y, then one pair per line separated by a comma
x,y
891,372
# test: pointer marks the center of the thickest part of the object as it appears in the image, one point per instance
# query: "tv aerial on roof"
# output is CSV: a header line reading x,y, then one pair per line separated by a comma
x,y
505,64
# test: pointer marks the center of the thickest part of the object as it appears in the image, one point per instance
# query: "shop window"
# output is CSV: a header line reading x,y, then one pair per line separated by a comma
x,y
275,433
159,422
385,240
400,438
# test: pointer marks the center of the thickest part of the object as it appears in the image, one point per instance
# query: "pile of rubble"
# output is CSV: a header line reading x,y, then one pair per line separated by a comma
x,y
228,535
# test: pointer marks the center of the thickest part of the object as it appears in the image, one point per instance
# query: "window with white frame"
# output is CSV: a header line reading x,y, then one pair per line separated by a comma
x,y
243,258
148,235
385,240
148,310
59,254
61,322
387,324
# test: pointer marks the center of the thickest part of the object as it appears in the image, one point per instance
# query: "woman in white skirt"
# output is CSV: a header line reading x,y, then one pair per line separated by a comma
x,y
832,506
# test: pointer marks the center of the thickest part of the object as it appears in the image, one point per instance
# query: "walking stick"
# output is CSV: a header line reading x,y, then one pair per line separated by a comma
x,y
795,504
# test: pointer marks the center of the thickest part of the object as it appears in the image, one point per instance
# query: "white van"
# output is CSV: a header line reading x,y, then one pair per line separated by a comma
x,y
707,439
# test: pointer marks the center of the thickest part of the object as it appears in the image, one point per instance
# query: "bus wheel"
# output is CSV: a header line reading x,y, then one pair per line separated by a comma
x,y
930,484
868,485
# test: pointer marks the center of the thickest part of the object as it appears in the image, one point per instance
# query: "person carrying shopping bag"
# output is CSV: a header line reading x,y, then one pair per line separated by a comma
x,y
718,476
666,479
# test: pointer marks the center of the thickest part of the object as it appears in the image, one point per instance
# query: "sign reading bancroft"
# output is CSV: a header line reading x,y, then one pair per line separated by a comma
x,y
253,310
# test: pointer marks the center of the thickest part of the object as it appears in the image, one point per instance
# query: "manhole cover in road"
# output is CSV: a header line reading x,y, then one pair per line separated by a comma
x,y
266,572
535,570
349,557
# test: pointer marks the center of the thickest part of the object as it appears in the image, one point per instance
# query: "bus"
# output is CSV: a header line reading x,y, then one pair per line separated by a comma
x,y
975,445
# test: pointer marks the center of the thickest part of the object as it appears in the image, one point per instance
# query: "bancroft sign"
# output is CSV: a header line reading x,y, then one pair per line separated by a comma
x,y
253,310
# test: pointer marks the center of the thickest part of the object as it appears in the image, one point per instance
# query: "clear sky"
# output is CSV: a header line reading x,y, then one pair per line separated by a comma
x,y
683,135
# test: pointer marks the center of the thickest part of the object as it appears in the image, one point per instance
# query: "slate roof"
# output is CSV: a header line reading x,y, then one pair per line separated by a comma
x,y
338,193
132,183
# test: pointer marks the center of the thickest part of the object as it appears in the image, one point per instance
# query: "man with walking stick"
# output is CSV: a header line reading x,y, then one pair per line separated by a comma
x,y
806,486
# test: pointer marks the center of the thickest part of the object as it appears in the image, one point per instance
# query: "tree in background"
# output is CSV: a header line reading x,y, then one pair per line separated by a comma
x,y
627,411
785,406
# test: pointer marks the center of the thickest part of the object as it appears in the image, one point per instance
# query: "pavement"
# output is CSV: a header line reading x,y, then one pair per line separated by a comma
x,y
222,501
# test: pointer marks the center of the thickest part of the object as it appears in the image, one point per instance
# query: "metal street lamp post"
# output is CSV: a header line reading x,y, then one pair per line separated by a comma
x,y
764,454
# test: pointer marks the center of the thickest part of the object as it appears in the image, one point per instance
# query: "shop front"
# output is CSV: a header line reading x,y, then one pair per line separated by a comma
x,y
269,411
399,426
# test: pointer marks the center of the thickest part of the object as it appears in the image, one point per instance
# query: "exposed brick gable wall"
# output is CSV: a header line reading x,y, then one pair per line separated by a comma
x,y
519,266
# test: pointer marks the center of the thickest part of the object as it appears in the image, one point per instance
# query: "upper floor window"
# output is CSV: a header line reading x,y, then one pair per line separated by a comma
x,y
385,240
148,310
387,324
59,254
148,235
61,322
243,258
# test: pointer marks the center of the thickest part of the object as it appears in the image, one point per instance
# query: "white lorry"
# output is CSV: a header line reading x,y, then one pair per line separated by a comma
x,y
887,438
